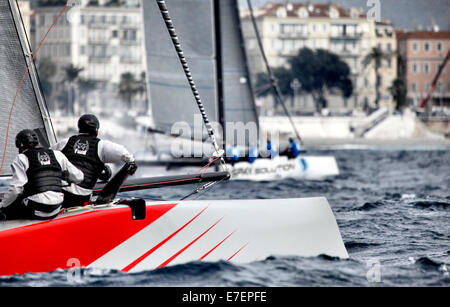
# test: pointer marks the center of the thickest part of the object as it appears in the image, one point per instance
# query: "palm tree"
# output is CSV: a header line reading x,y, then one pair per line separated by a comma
x,y
398,91
47,69
376,55
72,74
86,86
129,87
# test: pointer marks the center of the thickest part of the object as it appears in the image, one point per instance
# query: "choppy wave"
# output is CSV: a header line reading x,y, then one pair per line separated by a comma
x,y
392,208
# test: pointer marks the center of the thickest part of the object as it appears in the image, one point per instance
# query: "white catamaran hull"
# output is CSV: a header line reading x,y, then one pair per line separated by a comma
x,y
305,167
171,233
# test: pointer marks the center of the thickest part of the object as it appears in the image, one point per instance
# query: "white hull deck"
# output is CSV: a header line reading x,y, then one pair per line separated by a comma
x,y
240,231
304,167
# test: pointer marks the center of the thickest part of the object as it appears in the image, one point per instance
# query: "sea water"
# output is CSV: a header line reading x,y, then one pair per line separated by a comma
x,y
392,207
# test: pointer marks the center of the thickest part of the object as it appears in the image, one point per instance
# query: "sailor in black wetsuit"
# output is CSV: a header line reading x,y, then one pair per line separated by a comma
x,y
35,190
88,153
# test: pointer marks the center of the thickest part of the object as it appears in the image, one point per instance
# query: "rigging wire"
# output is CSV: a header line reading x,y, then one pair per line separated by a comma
x,y
270,72
176,43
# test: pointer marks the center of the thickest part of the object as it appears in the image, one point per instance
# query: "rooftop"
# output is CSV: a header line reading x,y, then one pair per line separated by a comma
x,y
309,10
423,35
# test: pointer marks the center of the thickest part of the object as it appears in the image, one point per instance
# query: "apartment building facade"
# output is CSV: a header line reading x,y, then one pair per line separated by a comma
x,y
421,55
105,41
386,41
286,28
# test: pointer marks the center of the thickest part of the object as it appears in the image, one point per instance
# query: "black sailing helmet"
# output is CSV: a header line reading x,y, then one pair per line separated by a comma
x,y
26,139
88,123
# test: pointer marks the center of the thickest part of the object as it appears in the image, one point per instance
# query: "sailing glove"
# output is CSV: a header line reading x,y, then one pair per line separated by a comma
x,y
132,168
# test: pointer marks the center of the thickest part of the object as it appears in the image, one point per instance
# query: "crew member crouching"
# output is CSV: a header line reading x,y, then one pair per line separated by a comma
x,y
88,153
35,191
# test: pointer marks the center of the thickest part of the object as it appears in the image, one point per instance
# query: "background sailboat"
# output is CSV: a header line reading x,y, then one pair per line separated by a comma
x,y
216,53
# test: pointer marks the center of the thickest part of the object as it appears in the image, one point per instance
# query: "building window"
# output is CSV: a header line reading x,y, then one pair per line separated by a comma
x,y
42,20
415,47
389,63
115,33
414,87
415,68
439,46
427,47
426,68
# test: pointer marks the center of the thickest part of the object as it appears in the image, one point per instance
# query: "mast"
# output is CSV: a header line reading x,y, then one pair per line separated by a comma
x,y
435,80
219,71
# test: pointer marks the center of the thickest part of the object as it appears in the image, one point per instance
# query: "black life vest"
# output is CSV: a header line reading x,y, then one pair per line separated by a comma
x,y
82,151
44,172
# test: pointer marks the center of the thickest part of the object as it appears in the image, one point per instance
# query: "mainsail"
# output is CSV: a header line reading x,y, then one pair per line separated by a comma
x,y
27,110
210,33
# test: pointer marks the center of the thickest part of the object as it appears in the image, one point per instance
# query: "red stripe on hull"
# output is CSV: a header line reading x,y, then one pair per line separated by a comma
x,y
220,243
237,252
47,246
148,253
187,246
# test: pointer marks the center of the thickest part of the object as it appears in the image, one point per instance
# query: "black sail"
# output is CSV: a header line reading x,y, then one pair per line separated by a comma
x,y
210,35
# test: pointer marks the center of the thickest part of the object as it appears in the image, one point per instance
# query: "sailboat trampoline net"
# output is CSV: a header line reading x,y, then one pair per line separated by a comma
x,y
23,111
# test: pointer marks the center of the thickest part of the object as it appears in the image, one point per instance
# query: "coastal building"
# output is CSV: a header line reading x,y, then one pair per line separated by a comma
x,y
287,27
25,12
421,54
104,41
386,41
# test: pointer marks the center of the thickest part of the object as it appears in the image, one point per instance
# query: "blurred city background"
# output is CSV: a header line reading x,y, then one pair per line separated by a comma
x,y
93,61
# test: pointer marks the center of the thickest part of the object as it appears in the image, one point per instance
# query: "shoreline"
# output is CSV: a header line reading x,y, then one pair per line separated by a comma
x,y
353,143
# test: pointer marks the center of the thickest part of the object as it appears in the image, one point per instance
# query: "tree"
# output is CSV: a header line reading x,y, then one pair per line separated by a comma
x,y
376,55
46,69
398,91
129,87
85,86
72,74
142,90
320,71
283,78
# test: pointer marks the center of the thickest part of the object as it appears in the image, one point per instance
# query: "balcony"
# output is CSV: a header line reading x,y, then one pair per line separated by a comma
x,y
130,42
342,35
99,40
130,60
293,34
99,59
